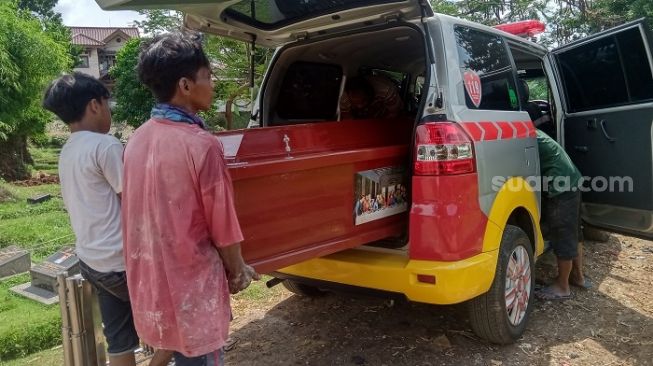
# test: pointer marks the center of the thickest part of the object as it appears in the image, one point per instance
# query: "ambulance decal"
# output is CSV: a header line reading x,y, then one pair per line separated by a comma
x,y
473,87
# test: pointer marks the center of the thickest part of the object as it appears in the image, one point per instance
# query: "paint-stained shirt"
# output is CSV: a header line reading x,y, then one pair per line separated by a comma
x,y
177,209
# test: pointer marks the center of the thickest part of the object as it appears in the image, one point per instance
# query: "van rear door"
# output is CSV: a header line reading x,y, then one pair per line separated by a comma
x,y
607,86
273,23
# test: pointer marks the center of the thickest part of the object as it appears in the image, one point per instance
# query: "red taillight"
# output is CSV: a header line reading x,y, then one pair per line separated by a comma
x,y
443,148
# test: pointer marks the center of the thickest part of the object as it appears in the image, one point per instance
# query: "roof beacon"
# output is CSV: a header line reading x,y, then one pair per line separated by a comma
x,y
526,28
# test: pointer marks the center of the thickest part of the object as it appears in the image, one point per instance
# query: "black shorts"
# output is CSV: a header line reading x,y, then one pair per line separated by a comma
x,y
115,308
561,220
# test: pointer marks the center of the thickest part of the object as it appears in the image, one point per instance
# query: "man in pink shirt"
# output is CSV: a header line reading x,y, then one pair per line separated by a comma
x,y
181,233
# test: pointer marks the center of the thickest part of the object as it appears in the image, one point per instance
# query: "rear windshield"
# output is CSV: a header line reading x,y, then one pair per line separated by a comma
x,y
269,14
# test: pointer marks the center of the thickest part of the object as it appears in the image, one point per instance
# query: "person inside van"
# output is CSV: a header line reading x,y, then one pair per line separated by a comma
x,y
561,199
374,96
540,119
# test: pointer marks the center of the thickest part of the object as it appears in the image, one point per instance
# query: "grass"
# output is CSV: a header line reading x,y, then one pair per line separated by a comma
x,y
256,291
46,160
51,357
41,228
25,325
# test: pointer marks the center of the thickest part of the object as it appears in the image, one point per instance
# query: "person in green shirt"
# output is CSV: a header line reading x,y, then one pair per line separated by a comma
x,y
561,198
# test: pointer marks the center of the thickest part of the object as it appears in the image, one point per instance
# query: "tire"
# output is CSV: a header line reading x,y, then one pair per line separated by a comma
x,y
302,289
488,313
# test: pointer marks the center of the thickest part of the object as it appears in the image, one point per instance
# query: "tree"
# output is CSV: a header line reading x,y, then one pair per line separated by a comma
x,y
159,21
566,20
230,63
609,13
52,23
42,8
25,69
133,100
231,66
492,12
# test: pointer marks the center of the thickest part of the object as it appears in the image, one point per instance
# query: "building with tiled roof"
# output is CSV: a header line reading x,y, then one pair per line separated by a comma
x,y
100,45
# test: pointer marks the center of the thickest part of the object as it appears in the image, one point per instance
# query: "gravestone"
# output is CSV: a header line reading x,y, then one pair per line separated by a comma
x,y
38,199
43,287
44,274
14,260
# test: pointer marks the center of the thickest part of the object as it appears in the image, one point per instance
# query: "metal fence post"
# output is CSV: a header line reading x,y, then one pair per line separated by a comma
x,y
75,322
65,319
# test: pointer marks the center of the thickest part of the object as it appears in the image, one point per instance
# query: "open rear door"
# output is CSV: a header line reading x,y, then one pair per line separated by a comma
x,y
607,86
273,23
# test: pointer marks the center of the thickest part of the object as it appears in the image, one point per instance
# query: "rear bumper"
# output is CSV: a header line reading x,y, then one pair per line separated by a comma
x,y
455,282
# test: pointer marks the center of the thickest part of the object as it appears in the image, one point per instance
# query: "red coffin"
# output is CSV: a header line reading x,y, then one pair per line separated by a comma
x,y
295,186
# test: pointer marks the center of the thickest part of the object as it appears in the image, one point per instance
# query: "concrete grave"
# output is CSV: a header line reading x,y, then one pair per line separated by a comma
x,y
14,260
44,275
38,199
43,287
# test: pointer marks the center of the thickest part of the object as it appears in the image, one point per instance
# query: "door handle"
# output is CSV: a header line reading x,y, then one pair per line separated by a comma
x,y
582,148
605,132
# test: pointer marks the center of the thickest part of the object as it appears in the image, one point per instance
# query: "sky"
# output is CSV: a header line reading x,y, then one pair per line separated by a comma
x,y
88,13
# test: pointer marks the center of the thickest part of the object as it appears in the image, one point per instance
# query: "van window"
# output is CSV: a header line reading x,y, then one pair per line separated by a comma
x,y
607,72
268,14
636,65
485,56
309,92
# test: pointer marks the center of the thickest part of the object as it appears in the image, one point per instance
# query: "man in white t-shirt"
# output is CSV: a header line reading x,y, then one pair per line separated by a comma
x,y
90,170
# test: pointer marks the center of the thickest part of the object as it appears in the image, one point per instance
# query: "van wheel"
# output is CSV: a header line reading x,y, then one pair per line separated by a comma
x,y
501,314
302,289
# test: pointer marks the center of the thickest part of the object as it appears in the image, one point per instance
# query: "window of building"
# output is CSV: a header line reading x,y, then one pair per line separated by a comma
x,y
487,70
82,62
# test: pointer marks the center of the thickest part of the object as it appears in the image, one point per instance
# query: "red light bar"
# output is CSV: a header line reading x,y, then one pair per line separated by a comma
x,y
526,28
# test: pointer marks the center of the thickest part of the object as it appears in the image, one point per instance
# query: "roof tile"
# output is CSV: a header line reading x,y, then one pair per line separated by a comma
x,y
98,36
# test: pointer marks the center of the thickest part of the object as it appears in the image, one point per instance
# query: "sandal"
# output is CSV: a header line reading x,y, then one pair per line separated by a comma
x,y
547,294
587,284
230,344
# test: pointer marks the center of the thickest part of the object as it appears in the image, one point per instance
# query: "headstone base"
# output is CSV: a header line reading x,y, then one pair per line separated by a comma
x,y
36,293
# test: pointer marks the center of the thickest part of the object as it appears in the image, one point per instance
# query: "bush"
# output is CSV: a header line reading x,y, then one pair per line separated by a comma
x,y
45,141
5,195
21,341
25,326
40,140
58,140
215,122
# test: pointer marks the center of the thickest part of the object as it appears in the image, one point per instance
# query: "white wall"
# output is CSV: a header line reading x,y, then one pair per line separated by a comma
x,y
93,64
113,45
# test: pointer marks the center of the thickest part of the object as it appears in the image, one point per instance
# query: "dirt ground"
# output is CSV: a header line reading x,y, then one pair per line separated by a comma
x,y
611,324
37,180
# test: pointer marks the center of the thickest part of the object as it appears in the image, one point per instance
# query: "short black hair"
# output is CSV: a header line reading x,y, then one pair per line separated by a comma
x,y
359,83
166,59
68,96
